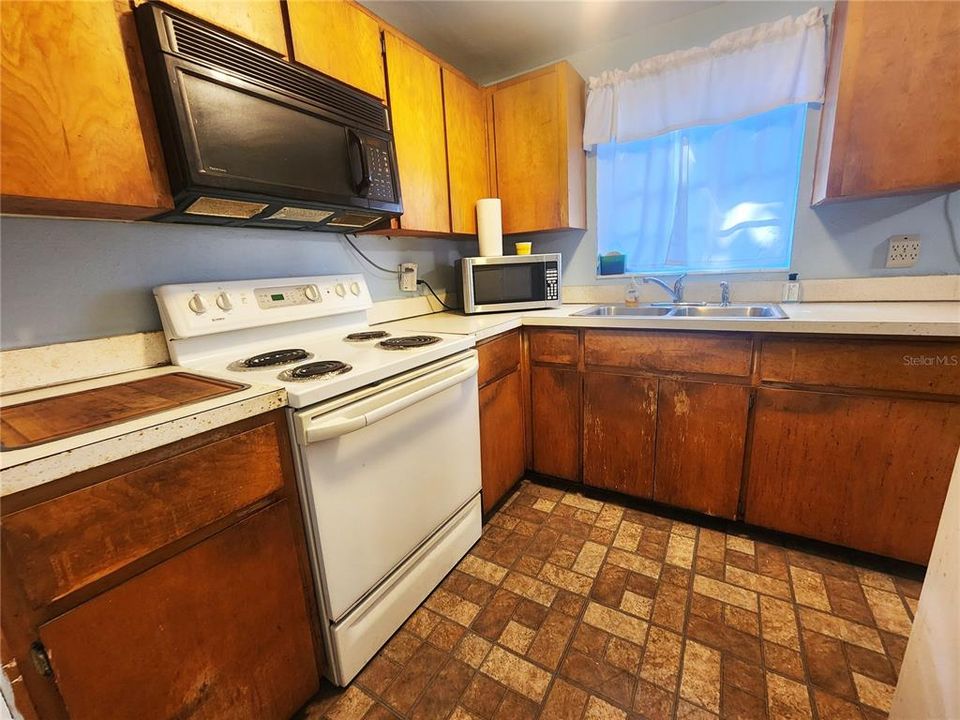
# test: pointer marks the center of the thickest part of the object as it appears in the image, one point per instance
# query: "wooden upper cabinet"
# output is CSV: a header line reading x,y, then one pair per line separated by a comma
x,y
260,21
339,39
540,162
78,136
890,121
416,106
465,116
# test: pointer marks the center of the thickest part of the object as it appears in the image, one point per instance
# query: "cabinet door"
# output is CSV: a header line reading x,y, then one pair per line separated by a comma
x,y
865,472
555,401
701,432
619,427
72,140
466,127
260,21
541,166
338,39
889,60
220,630
502,457
416,106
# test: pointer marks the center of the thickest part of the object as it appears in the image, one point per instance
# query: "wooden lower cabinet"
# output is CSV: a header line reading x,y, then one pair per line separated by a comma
x,y
555,420
701,432
170,584
220,630
501,437
869,473
619,432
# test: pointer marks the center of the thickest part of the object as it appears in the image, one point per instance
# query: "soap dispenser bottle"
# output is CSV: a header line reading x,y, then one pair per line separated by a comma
x,y
632,296
791,289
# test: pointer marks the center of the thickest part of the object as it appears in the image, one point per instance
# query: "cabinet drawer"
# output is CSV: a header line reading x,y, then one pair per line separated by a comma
x,y
61,545
498,356
910,366
671,352
554,346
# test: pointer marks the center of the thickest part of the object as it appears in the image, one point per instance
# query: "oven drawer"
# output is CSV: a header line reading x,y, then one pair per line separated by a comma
x,y
61,545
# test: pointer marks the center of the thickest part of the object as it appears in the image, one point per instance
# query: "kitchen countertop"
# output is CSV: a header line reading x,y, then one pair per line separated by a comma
x,y
28,467
931,319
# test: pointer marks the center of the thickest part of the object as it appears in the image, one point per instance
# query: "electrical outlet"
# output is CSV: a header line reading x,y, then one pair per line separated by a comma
x,y
903,251
407,272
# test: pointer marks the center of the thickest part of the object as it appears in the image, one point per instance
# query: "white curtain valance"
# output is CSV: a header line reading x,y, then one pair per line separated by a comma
x,y
743,73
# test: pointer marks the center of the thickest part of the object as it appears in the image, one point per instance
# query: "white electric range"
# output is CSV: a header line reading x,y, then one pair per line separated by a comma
x,y
386,435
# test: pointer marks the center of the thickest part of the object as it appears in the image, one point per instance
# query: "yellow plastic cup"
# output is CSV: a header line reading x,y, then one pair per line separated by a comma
x,y
523,248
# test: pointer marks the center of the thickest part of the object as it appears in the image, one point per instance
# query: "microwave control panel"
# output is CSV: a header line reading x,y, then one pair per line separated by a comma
x,y
552,280
381,172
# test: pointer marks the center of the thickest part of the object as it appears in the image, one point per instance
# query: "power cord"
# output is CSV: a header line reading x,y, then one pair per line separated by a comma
x,y
432,292
361,254
394,272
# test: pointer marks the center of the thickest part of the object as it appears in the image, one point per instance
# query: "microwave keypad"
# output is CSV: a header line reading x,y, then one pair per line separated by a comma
x,y
552,278
381,177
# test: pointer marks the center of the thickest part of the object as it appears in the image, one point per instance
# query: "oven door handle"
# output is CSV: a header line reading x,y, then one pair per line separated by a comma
x,y
337,423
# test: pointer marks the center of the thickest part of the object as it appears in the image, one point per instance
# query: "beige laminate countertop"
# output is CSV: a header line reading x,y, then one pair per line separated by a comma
x,y
930,319
28,467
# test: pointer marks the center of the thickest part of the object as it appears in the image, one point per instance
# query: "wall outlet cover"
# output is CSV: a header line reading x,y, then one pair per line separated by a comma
x,y
407,272
903,251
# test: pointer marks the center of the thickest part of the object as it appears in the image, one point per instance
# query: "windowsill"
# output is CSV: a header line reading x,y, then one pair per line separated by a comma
x,y
693,273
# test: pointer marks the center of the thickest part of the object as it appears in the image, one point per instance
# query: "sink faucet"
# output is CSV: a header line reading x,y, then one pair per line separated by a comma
x,y
676,292
724,293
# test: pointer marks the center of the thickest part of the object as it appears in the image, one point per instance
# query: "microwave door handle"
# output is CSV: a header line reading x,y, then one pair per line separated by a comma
x,y
361,174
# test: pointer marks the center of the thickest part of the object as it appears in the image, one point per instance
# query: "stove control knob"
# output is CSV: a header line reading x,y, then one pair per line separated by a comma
x,y
340,289
224,301
312,293
197,304
355,288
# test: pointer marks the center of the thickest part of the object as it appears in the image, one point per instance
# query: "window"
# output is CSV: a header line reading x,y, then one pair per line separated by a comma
x,y
704,199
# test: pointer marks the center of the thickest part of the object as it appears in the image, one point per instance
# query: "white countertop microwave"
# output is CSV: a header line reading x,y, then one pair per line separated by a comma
x,y
510,282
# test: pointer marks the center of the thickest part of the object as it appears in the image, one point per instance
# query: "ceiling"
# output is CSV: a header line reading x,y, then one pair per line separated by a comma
x,y
493,39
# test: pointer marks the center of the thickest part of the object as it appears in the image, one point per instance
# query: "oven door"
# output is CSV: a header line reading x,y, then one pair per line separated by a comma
x,y
519,282
383,474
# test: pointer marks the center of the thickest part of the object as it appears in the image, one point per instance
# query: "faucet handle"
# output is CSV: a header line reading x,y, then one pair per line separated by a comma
x,y
678,283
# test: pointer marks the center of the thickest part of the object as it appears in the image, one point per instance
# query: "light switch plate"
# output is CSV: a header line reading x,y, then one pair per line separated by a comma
x,y
903,251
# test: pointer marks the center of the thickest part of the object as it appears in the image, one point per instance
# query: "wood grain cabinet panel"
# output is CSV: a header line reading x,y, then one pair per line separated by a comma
x,y
550,345
260,21
905,365
75,129
864,472
502,451
890,122
701,432
466,129
416,106
669,352
68,542
498,356
555,420
540,162
339,39
619,432
220,630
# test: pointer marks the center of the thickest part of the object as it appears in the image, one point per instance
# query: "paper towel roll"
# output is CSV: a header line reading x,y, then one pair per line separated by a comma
x,y
489,227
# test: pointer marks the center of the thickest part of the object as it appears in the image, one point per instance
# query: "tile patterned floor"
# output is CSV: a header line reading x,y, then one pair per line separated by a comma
x,y
574,608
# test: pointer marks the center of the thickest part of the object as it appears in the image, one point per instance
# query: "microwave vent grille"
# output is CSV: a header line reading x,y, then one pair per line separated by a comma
x,y
196,42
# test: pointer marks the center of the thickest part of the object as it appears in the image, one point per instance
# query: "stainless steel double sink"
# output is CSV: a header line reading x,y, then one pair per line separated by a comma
x,y
693,310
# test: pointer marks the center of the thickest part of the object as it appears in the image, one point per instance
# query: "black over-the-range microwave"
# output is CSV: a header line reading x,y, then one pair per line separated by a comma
x,y
252,140
511,282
